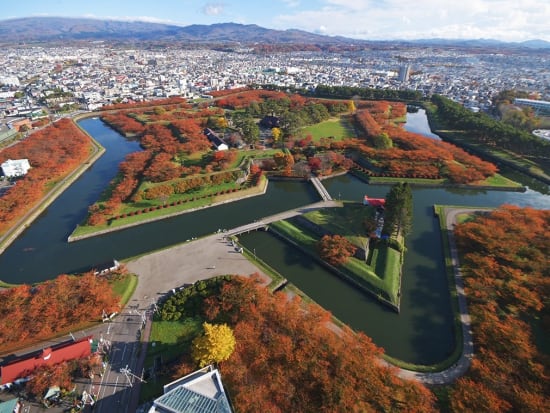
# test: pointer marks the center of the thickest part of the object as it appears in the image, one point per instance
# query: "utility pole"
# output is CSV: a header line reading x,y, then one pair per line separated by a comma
x,y
129,375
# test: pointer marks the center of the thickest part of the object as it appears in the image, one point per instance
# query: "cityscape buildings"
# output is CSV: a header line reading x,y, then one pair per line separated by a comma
x,y
37,79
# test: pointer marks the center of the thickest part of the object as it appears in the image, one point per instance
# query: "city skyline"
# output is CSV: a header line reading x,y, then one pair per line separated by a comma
x,y
504,20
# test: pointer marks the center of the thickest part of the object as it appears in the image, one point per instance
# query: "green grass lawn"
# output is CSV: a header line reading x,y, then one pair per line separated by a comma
x,y
500,181
83,229
414,181
381,276
496,180
168,340
346,221
338,128
124,287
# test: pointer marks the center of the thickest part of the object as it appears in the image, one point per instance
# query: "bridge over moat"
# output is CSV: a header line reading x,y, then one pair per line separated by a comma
x,y
323,193
264,222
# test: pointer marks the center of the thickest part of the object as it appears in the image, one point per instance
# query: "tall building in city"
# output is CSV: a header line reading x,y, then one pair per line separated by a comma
x,y
404,73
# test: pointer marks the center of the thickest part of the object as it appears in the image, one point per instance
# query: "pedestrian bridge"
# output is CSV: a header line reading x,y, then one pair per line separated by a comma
x,y
323,193
264,222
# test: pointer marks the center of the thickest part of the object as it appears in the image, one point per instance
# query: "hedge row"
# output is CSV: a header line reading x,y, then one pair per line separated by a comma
x,y
393,175
255,181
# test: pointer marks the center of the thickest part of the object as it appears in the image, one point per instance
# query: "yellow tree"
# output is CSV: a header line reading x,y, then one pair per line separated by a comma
x,y
215,345
276,134
222,122
351,106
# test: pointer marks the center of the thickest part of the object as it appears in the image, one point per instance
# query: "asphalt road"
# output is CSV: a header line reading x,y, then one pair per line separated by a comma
x,y
115,389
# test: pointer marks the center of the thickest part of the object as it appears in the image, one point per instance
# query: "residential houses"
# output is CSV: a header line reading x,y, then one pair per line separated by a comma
x,y
100,74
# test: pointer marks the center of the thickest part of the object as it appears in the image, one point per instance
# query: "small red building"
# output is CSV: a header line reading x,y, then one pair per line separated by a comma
x,y
374,202
22,366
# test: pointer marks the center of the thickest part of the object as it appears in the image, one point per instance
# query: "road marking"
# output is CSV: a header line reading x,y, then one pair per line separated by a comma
x,y
123,353
116,385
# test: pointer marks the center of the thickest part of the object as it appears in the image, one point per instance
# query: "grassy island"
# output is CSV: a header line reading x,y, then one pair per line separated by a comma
x,y
376,265
196,155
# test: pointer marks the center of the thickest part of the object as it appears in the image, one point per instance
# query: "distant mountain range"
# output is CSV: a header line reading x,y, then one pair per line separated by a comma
x,y
61,29
54,29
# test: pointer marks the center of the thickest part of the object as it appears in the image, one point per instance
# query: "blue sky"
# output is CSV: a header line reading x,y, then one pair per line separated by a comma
x,y
507,20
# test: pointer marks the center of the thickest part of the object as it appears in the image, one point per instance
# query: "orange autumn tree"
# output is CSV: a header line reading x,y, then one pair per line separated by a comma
x,y
335,249
32,313
505,267
53,152
289,357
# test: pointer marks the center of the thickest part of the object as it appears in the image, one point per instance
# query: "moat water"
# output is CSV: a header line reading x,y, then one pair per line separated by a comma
x,y
422,332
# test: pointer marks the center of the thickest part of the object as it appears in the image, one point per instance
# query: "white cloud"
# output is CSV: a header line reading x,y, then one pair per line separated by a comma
x,y
291,3
507,20
213,9
321,30
148,19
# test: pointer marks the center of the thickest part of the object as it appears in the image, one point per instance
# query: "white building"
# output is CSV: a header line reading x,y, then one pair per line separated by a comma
x,y
18,167
199,392
540,106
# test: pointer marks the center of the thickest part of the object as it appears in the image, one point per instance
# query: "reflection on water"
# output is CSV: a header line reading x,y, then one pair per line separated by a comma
x,y
423,331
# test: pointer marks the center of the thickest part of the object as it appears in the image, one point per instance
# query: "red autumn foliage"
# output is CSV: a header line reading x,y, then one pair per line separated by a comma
x,y
290,358
225,92
124,185
53,153
368,123
162,168
157,138
30,313
414,155
121,122
62,375
335,249
244,99
505,267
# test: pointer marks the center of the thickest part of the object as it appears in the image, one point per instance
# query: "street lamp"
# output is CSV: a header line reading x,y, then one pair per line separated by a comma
x,y
254,253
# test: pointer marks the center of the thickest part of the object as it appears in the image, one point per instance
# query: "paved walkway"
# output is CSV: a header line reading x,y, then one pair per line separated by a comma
x,y
161,271
323,193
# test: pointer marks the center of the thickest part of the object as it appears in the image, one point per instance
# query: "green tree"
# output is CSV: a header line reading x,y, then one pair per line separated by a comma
x,y
216,344
398,212
248,128
291,122
382,141
159,110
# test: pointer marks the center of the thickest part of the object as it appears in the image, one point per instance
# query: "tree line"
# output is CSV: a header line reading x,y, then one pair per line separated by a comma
x,y
53,152
288,358
349,92
505,269
488,131
31,313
